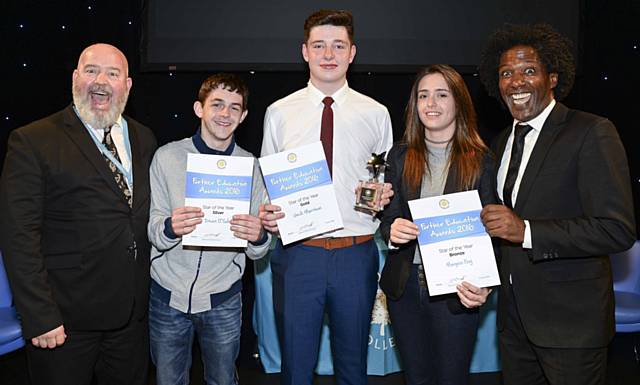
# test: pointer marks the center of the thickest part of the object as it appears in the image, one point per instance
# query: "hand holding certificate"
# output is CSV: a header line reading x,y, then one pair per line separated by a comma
x,y
453,242
298,181
221,187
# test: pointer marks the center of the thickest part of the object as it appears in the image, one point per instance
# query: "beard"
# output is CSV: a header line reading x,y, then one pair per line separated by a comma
x,y
98,119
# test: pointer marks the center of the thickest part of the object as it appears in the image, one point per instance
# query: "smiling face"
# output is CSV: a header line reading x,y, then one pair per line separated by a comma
x,y
329,53
101,85
525,86
436,107
220,115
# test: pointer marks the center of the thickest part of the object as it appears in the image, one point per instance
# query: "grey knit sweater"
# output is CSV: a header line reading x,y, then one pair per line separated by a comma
x,y
192,274
433,183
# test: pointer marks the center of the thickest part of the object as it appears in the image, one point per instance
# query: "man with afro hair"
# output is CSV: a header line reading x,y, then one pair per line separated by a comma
x,y
564,179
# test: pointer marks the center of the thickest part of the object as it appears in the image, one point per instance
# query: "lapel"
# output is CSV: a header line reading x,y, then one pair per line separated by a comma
x,y
412,194
405,191
550,130
498,147
79,135
138,168
450,184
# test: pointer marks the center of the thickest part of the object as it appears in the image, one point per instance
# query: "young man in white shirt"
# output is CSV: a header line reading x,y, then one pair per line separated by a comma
x,y
335,272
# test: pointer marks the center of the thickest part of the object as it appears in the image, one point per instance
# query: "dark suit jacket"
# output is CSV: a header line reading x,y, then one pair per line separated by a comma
x,y
576,194
397,266
66,229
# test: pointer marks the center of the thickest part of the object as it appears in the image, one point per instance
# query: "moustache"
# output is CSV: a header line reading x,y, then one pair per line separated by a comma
x,y
101,89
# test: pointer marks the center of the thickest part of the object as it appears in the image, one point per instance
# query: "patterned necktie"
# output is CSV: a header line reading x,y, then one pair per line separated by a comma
x,y
326,131
117,175
514,163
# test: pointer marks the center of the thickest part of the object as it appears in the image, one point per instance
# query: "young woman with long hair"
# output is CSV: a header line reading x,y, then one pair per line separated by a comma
x,y
441,153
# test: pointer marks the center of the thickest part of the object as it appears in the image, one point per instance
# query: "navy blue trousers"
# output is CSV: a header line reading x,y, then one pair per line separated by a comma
x,y
309,281
435,344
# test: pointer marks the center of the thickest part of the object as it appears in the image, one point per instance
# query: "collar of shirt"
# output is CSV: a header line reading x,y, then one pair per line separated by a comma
x,y
529,143
537,122
116,130
317,96
202,147
117,126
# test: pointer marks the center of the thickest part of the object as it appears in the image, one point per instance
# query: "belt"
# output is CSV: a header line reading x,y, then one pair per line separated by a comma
x,y
338,243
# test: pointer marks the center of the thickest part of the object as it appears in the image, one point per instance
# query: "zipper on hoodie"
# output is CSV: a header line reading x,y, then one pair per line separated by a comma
x,y
156,257
238,266
194,282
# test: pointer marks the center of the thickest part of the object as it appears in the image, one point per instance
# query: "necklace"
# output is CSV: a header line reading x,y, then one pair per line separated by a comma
x,y
438,141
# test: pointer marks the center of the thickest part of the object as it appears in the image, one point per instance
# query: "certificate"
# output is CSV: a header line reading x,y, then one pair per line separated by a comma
x,y
221,187
454,244
298,180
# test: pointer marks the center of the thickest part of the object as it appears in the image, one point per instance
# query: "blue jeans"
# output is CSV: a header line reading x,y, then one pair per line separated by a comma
x,y
171,339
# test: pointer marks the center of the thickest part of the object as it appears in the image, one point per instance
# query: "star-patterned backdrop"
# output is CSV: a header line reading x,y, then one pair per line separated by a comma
x,y
41,40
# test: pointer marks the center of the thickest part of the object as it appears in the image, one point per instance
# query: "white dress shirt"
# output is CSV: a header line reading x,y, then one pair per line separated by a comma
x,y
361,126
529,142
118,139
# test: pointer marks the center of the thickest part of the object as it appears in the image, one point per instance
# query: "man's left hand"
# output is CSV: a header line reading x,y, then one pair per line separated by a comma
x,y
247,227
500,221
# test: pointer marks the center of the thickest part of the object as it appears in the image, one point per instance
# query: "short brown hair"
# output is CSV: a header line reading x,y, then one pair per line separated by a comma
x,y
337,18
230,82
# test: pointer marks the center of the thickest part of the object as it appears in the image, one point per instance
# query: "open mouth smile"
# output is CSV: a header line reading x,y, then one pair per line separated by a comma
x,y
520,98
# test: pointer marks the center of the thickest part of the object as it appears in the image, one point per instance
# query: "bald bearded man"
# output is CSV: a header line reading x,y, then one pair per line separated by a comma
x,y
74,195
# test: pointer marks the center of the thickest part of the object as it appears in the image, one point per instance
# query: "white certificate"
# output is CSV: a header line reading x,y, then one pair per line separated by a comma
x,y
298,180
221,187
454,244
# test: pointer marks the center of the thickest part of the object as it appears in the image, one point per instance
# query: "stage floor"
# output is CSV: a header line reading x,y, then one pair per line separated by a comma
x,y
622,369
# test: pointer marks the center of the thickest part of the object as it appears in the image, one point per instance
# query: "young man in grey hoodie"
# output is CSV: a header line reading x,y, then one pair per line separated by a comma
x,y
197,290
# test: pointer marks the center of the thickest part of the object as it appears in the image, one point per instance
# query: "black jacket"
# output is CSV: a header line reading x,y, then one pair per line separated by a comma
x,y
66,230
398,263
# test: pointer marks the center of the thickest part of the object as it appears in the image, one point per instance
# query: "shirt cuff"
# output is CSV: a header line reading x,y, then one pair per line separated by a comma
x,y
527,243
262,240
168,229
390,246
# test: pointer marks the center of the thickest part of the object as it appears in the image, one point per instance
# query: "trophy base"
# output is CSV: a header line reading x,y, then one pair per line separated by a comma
x,y
366,209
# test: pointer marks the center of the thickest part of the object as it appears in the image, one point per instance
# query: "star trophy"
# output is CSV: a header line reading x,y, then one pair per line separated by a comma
x,y
369,193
